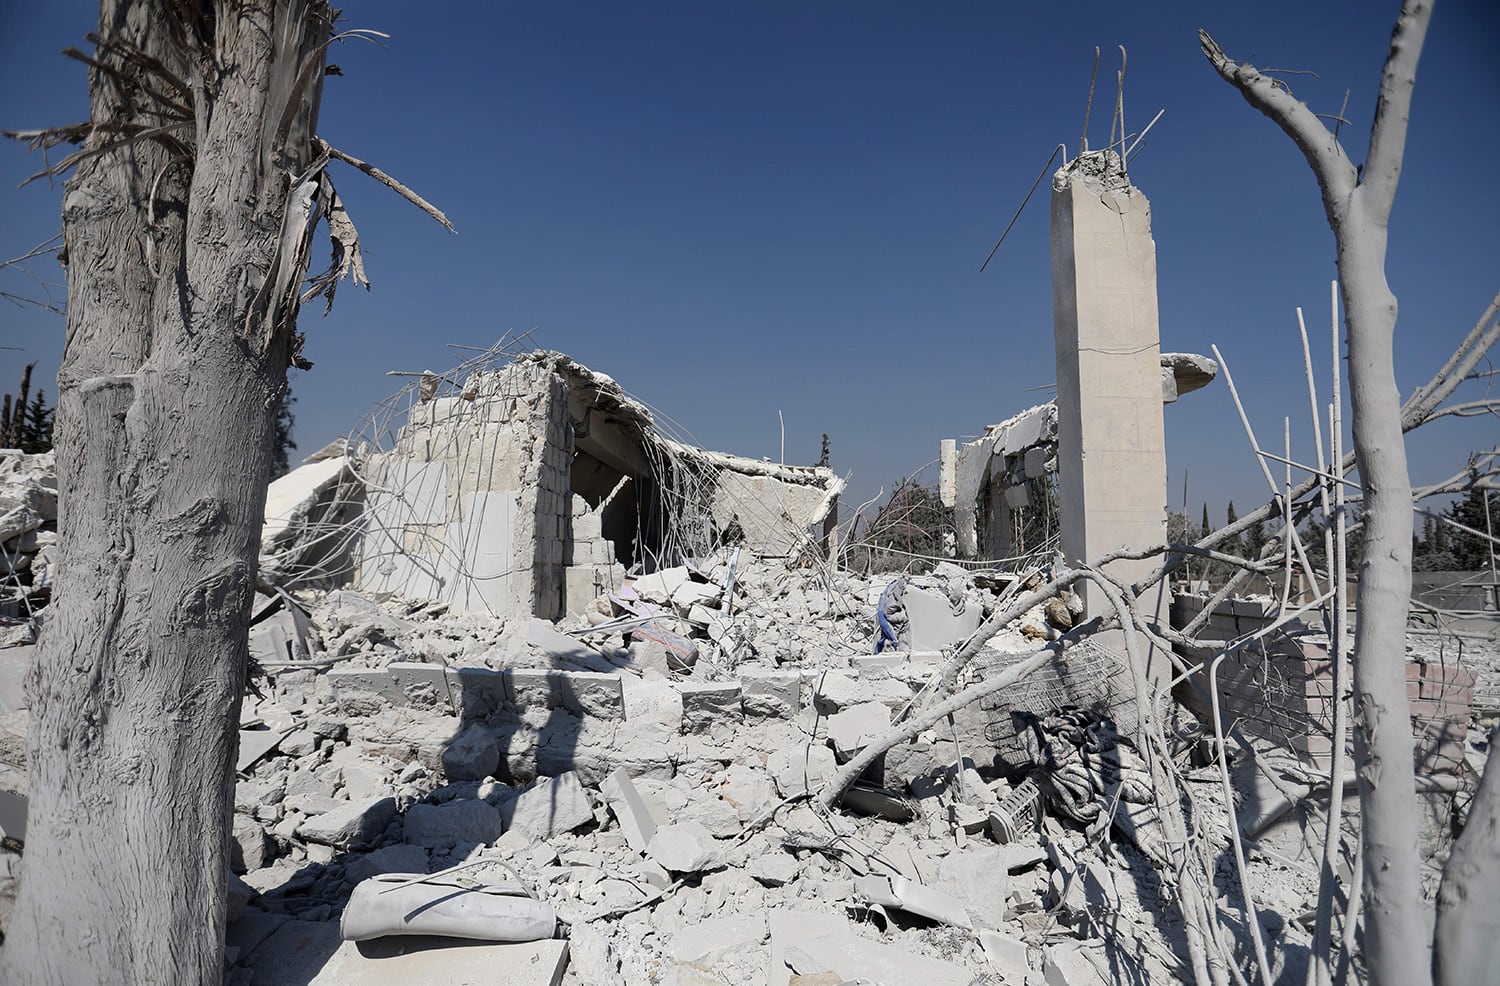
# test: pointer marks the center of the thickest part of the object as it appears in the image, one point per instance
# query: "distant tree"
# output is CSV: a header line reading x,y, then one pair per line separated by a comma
x,y
823,458
1470,551
35,431
13,420
1254,540
283,442
912,522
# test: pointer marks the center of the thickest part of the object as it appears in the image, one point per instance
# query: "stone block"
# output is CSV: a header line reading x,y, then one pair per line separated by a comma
x,y
350,823
799,769
473,754
704,944
363,691
771,694
399,858
834,690
853,728
479,692
584,693
441,826
251,847
705,705
631,810
882,663
551,806
422,686
685,847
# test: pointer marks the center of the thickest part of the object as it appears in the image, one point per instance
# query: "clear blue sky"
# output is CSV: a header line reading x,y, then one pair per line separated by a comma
x,y
740,208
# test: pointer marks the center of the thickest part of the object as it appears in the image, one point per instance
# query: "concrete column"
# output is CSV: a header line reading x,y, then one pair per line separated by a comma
x,y
1111,449
948,471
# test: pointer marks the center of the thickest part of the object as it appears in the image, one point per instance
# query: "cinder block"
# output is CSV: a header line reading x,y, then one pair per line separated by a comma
x,y
703,705
1439,745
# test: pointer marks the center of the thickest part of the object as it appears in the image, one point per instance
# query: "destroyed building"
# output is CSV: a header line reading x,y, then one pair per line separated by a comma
x,y
532,485
532,674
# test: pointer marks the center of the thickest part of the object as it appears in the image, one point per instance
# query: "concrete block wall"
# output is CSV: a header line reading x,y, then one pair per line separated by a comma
x,y
471,505
547,492
1280,689
548,720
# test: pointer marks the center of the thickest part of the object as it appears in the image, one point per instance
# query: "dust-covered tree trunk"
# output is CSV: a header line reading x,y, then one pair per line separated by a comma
x,y
186,225
1358,206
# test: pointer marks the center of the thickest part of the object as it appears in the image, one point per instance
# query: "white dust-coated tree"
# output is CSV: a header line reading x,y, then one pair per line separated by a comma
x,y
188,221
1397,946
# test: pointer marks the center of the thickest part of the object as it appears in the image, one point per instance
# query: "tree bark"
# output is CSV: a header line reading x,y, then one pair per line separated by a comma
x,y
186,251
1467,939
1358,209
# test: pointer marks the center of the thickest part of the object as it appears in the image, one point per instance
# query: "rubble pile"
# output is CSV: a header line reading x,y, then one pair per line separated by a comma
x,y
650,788
28,531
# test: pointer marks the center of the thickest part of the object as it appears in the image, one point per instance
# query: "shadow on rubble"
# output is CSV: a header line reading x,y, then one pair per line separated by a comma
x,y
486,760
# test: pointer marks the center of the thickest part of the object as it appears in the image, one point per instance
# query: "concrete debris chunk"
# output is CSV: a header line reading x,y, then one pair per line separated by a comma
x,y
251,846
685,847
349,823
630,809
473,754
853,957
853,728
1074,964
552,806
659,586
774,868
770,694
1007,954
706,943
710,705
802,769
977,878
566,651
913,897
398,858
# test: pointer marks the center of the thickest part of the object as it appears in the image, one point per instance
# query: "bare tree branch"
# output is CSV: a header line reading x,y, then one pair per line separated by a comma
x,y
387,181
1324,154
1388,132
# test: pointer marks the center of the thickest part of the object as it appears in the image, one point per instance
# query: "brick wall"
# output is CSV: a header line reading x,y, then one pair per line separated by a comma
x,y
1279,689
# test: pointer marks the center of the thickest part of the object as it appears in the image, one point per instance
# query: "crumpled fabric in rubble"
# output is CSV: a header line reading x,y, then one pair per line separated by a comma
x,y
1080,761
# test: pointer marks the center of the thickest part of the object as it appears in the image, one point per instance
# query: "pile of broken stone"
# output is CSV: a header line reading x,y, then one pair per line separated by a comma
x,y
649,788
639,776
28,531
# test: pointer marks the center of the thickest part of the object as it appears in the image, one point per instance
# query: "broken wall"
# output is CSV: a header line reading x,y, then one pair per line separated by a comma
x,y
473,503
